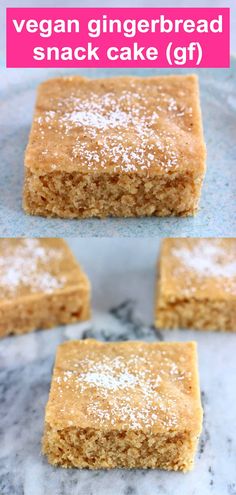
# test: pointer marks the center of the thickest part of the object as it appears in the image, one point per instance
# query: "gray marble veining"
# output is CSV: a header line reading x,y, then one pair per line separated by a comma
x,y
122,275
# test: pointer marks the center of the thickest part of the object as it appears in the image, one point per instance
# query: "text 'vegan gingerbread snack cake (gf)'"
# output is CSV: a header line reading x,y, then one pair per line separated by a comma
x,y
124,146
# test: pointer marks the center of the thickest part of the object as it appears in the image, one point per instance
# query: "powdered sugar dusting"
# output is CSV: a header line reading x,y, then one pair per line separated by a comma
x,y
210,258
118,129
126,391
25,265
95,120
104,377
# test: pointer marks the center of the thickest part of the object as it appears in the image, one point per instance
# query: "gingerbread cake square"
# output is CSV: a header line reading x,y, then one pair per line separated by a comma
x,y
123,404
196,286
121,146
41,285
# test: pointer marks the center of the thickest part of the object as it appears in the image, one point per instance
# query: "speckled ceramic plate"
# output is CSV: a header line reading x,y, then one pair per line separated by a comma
x,y
217,215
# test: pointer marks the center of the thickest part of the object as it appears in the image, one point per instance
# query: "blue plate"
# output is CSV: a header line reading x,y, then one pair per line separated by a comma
x,y
217,215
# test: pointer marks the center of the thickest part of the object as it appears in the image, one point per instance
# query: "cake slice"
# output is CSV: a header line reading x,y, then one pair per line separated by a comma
x,y
121,146
196,285
41,285
123,404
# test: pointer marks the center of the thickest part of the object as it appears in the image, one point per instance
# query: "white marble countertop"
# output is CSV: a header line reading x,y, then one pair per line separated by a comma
x,y
122,276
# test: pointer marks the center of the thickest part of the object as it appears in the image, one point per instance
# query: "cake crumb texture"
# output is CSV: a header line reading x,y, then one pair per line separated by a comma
x,y
124,146
41,285
197,284
126,404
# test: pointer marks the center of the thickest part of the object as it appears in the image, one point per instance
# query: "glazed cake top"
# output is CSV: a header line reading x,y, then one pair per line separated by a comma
x,y
122,124
31,266
198,268
125,385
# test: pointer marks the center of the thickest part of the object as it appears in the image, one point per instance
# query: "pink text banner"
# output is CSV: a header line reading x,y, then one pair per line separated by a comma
x,y
118,37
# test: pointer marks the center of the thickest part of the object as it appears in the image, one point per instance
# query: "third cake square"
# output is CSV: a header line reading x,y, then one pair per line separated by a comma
x,y
124,404
121,146
197,284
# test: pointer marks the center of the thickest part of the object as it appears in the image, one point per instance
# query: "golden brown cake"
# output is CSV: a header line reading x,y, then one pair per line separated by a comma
x,y
197,284
41,285
124,146
123,404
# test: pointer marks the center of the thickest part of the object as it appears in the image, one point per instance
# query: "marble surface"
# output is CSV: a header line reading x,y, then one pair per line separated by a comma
x,y
217,215
122,276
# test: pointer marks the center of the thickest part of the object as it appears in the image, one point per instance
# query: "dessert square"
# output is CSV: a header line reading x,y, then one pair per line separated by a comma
x,y
122,146
197,284
123,404
41,285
